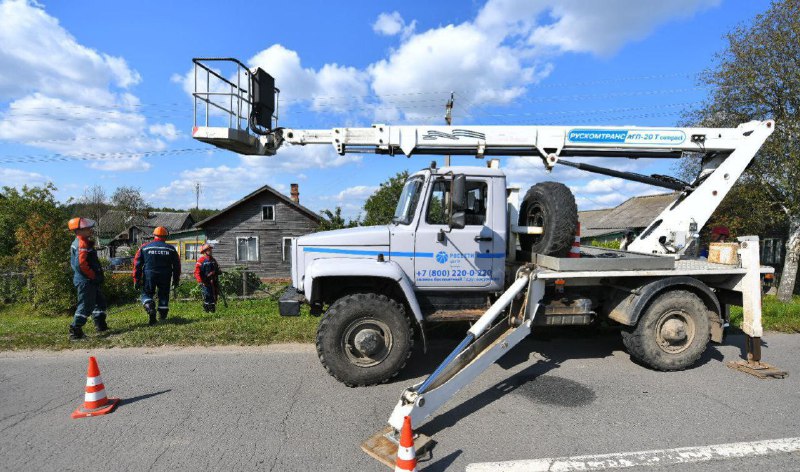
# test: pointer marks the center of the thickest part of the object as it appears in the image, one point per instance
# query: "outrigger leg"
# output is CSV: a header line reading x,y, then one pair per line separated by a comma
x,y
485,343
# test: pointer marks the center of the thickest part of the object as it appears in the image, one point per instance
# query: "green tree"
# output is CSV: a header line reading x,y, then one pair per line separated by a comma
x,y
17,206
380,206
43,252
756,77
334,220
129,200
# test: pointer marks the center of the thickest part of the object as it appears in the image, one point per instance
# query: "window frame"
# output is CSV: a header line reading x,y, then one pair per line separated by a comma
x,y
258,252
186,251
484,186
273,212
286,241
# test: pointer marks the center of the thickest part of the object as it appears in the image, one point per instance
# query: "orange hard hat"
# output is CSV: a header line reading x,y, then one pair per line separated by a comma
x,y
80,223
160,232
205,248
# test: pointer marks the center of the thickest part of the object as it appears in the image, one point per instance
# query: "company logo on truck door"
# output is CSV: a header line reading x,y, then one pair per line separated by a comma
x,y
657,137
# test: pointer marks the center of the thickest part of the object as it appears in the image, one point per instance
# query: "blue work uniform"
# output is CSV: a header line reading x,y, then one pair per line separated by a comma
x,y
155,265
206,272
87,278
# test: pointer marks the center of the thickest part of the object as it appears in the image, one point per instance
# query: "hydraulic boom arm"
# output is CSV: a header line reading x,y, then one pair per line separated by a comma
x,y
726,152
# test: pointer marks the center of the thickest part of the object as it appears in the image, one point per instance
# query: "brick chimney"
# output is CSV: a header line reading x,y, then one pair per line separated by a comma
x,y
295,193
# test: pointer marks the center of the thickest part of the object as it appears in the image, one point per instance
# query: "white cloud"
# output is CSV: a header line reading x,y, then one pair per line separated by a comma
x,y
583,26
165,130
224,184
390,24
17,178
65,97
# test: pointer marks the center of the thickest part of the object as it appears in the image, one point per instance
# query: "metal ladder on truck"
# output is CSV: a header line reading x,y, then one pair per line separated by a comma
x,y
243,108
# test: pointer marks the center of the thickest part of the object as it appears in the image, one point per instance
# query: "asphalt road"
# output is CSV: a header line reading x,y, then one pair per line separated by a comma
x,y
275,408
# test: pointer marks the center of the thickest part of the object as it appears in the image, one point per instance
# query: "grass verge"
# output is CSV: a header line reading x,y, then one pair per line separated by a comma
x,y
244,322
775,315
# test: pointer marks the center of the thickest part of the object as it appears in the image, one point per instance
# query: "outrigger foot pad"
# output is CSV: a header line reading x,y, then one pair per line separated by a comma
x,y
762,370
383,445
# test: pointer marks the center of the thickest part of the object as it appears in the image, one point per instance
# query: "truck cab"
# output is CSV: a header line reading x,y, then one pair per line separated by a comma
x,y
443,255
423,246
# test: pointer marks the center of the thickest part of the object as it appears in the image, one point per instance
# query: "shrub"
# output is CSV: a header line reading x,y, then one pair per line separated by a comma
x,y
119,289
230,281
189,289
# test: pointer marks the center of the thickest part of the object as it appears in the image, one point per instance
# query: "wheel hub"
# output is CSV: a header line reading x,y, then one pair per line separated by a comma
x,y
368,341
675,331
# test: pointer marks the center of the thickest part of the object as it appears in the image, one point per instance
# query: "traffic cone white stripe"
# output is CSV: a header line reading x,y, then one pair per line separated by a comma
x,y
92,381
95,396
406,453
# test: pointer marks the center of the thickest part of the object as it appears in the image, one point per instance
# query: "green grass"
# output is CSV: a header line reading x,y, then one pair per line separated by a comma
x,y
244,322
775,315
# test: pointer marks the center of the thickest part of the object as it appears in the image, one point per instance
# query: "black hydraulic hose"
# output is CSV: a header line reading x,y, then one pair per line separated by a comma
x,y
626,175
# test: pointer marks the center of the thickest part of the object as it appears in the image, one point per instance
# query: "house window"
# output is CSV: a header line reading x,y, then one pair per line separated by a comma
x,y
286,249
247,248
268,212
771,251
190,251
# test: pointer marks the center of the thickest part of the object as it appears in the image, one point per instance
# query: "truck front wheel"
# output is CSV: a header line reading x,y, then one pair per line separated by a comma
x,y
672,333
364,339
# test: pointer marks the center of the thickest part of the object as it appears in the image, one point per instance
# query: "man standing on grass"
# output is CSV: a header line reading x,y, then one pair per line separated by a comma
x,y
206,272
87,278
155,264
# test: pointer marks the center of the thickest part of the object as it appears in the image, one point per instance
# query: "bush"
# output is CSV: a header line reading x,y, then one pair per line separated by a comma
x,y
12,285
189,289
230,282
119,289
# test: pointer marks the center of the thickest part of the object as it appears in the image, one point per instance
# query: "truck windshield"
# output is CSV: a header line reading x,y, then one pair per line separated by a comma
x,y
408,201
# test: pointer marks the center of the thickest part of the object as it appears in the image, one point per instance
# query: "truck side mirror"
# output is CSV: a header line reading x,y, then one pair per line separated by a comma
x,y
458,220
458,194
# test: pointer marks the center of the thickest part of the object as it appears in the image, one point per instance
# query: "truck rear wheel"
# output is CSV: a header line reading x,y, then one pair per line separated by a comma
x,y
364,339
672,333
550,205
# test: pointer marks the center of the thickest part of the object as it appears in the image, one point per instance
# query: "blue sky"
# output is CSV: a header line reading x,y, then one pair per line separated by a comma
x,y
94,92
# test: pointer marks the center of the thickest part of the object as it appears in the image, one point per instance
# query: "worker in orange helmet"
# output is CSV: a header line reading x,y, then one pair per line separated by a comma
x,y
206,272
155,264
719,234
88,277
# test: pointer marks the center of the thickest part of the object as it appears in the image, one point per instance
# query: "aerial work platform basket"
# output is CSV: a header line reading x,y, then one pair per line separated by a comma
x,y
233,105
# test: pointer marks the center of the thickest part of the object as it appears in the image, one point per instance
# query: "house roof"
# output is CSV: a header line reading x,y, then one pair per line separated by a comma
x,y
264,189
634,213
117,221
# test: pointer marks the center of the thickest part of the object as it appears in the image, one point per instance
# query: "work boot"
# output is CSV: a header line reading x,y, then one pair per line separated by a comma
x,y
205,307
150,308
100,323
212,307
162,314
75,333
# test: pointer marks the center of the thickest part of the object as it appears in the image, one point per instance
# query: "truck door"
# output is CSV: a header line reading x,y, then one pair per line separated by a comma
x,y
457,258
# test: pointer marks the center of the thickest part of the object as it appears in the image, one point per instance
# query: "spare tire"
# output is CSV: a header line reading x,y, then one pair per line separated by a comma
x,y
550,205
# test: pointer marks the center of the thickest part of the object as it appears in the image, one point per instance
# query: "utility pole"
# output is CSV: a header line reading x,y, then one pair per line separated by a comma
x,y
197,195
448,118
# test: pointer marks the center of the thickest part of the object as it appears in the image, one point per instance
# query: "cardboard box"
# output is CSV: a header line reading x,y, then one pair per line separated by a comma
x,y
723,253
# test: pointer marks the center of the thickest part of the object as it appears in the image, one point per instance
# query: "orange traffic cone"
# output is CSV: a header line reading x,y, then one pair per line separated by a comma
x,y
95,401
575,251
406,456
